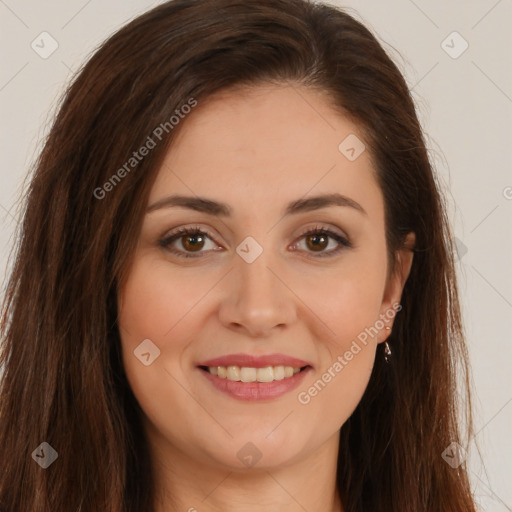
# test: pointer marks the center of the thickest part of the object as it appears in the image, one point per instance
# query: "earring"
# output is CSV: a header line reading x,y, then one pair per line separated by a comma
x,y
387,350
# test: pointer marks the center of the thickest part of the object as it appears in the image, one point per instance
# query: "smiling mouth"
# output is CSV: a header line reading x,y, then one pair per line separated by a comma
x,y
249,374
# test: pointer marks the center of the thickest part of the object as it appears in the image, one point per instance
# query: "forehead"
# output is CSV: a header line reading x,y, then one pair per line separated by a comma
x,y
267,144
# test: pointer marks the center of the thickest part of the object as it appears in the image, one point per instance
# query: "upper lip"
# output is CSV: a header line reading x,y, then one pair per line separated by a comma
x,y
250,361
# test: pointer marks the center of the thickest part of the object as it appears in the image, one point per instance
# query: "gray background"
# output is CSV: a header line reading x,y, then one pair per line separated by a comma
x,y
465,105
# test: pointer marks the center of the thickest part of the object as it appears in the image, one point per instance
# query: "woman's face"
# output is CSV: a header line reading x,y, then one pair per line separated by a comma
x,y
252,289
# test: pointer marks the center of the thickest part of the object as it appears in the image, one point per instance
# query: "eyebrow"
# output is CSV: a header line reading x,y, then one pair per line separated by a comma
x,y
204,205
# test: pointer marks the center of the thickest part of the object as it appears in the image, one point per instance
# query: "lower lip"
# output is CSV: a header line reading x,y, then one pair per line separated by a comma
x,y
254,391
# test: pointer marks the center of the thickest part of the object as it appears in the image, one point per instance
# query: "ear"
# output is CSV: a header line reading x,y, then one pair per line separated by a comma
x,y
395,286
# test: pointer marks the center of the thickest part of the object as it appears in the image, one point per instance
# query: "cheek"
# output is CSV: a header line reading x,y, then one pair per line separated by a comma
x,y
154,303
152,306
348,301
349,305
156,306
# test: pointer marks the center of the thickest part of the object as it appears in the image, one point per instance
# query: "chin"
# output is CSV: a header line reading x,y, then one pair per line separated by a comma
x,y
252,452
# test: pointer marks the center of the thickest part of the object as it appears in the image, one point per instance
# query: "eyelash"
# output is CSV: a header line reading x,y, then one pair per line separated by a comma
x,y
166,241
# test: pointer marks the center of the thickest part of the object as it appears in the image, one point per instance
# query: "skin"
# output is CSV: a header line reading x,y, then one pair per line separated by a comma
x,y
257,150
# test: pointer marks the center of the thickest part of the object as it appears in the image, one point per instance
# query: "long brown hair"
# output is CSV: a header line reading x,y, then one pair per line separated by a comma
x,y
63,379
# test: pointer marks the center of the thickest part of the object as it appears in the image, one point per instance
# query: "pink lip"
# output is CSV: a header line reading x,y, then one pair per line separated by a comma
x,y
254,391
255,361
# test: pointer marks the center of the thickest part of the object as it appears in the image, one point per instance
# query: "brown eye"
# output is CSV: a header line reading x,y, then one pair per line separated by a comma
x,y
192,241
317,241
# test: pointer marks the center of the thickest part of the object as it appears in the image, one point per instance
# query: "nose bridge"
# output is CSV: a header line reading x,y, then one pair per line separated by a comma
x,y
259,300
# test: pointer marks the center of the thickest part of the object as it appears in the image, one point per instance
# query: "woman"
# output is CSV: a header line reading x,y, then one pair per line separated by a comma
x,y
234,287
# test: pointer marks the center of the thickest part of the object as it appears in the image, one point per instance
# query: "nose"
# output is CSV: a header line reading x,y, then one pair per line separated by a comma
x,y
258,299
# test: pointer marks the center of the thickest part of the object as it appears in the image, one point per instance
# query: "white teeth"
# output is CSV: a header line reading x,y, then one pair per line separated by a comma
x,y
248,374
265,374
278,372
233,373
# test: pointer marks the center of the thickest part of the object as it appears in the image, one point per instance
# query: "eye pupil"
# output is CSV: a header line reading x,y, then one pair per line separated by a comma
x,y
318,241
193,245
